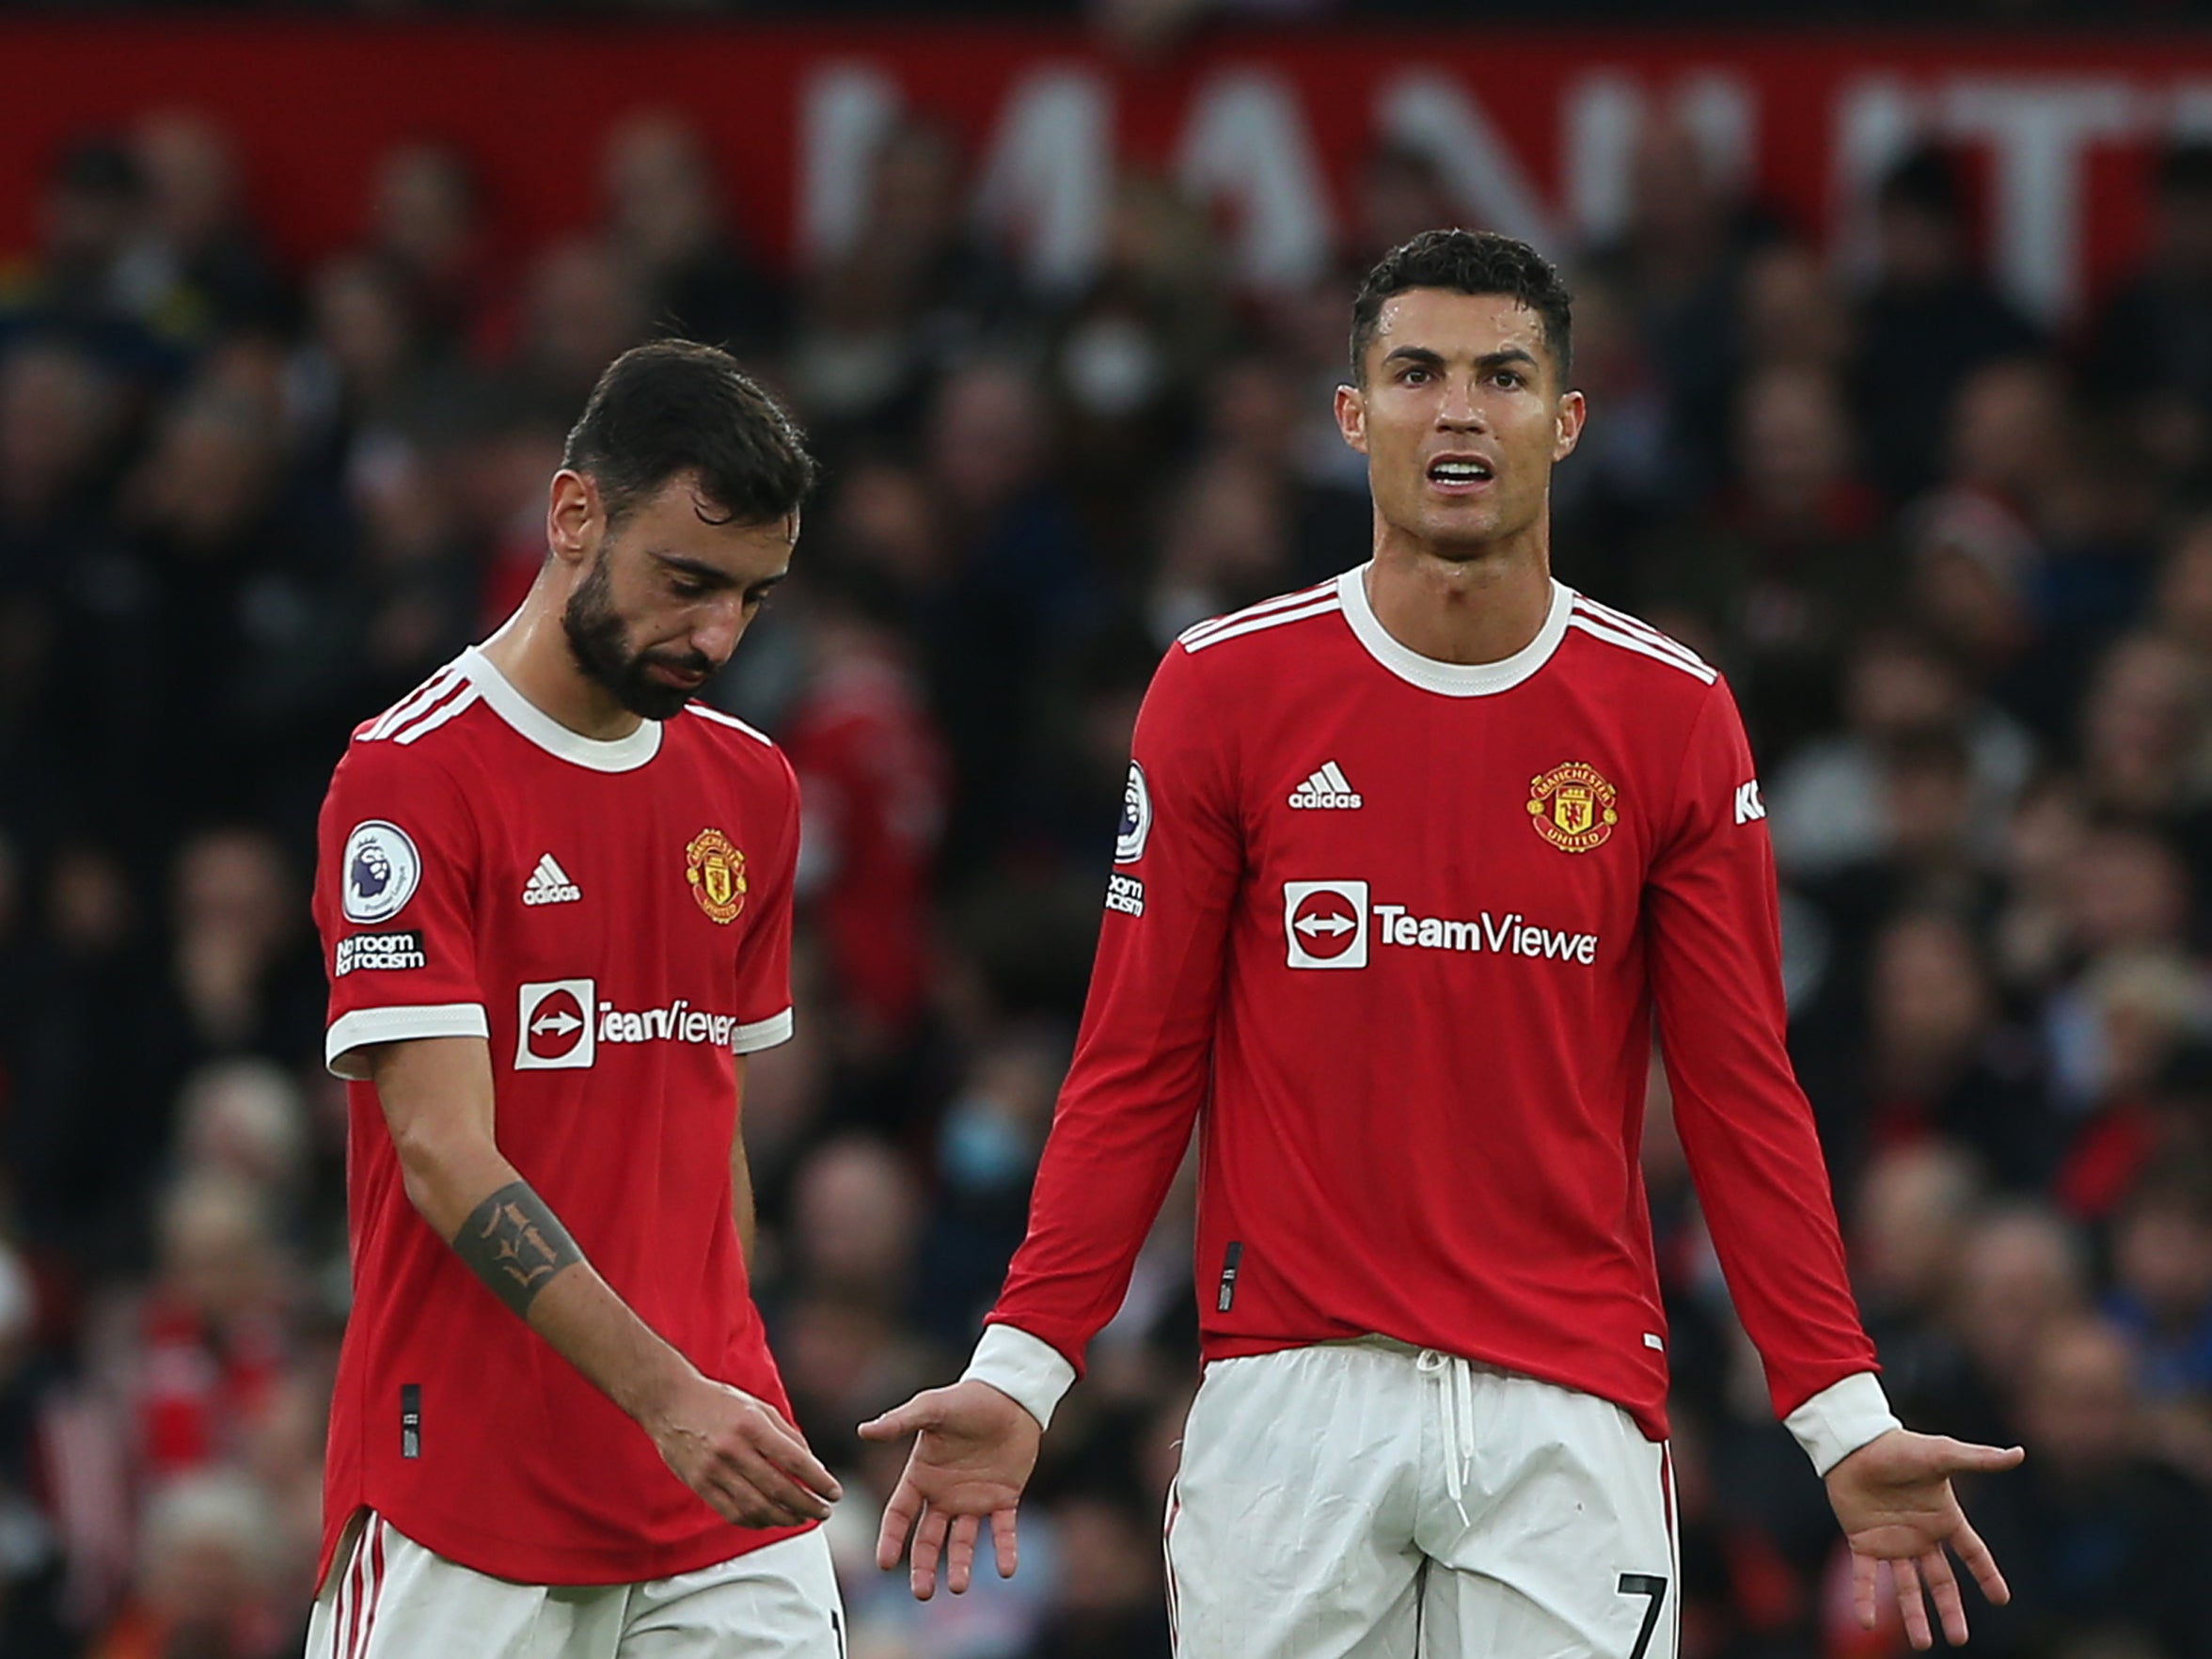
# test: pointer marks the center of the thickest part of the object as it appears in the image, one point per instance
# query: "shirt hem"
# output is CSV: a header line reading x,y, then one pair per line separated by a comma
x,y
521,1562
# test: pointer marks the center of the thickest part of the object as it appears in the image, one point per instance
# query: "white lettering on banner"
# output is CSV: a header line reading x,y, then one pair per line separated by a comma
x,y
1050,173
1432,113
1249,136
2039,133
1248,141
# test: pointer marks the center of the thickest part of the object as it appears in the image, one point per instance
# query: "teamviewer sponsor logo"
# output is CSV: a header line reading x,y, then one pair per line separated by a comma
x,y
556,1030
1333,925
1326,924
564,1025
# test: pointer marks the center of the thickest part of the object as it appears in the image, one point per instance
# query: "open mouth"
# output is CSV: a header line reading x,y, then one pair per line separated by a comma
x,y
1456,474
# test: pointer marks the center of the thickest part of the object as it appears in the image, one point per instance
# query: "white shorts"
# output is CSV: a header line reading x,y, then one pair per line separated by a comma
x,y
389,1598
1373,1501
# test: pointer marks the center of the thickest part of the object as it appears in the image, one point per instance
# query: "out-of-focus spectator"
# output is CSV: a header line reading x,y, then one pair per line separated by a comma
x,y
873,779
582,309
96,279
1679,267
2022,1270
1793,563
209,1347
427,229
1926,322
207,1583
196,216
2154,342
1941,1064
2101,1543
665,220
1830,806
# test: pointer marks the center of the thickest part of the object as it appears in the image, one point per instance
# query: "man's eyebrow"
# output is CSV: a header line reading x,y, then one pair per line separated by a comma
x,y
1429,357
711,576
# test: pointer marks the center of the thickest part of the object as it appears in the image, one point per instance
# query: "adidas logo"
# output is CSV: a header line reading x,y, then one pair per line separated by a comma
x,y
1327,787
550,885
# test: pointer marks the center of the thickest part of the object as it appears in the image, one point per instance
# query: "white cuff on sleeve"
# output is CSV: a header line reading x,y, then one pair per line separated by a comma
x,y
1026,1370
363,1026
1841,1419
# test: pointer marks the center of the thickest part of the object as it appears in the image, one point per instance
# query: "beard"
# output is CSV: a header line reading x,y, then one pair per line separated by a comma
x,y
598,641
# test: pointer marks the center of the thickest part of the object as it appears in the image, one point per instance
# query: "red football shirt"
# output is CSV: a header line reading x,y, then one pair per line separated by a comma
x,y
615,919
1399,927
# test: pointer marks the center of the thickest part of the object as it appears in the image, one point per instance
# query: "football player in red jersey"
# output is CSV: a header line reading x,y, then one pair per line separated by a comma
x,y
1408,861
556,897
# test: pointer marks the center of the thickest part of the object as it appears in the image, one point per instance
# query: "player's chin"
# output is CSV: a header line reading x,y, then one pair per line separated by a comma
x,y
652,701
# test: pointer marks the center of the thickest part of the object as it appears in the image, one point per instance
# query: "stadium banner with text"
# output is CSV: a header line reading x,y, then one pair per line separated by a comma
x,y
1533,132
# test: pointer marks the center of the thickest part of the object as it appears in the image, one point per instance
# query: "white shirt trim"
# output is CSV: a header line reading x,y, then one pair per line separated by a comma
x,y
1841,1419
618,754
1452,679
1026,1370
762,1034
363,1026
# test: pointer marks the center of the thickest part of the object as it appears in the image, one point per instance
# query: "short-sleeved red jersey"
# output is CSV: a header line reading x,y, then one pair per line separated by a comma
x,y
1399,927
615,919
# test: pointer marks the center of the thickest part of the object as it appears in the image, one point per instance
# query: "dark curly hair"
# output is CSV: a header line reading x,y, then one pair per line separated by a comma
x,y
676,406
1467,261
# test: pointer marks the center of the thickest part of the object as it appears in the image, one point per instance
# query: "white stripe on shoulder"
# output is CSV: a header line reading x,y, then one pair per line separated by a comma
x,y
436,718
735,724
1640,628
1642,647
1280,602
415,702
1259,624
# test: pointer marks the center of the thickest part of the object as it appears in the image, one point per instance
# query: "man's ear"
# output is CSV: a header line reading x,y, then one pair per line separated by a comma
x,y
1567,424
576,519
1351,417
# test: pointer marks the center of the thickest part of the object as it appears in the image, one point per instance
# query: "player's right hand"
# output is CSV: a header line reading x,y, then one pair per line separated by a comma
x,y
739,1454
973,1452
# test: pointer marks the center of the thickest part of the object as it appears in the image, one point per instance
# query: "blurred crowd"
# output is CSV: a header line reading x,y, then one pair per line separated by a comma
x,y
1959,571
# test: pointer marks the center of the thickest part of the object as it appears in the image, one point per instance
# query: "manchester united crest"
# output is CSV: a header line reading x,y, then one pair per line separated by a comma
x,y
715,870
1572,807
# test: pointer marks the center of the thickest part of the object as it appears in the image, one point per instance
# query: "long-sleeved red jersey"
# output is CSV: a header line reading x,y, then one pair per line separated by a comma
x,y
1393,930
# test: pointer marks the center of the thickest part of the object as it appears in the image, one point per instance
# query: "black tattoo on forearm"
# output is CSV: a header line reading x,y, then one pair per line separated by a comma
x,y
516,1244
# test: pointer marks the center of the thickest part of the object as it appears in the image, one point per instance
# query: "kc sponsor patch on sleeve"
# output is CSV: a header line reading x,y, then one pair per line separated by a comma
x,y
378,951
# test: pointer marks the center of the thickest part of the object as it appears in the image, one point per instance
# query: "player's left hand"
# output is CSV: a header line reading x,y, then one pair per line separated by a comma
x,y
1894,1499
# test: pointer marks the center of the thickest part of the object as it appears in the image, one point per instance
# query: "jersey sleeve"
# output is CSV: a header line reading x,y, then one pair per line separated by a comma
x,y
764,952
1143,1053
395,903
1715,959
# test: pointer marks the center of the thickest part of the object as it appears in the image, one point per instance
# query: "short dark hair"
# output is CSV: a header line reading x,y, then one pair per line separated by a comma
x,y
676,406
1467,261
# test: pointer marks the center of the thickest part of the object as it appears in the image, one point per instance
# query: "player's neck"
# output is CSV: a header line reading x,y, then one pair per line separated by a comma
x,y
1461,611
531,650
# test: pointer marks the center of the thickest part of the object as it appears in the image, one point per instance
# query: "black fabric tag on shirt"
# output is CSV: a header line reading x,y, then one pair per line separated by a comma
x,y
1230,1258
410,1419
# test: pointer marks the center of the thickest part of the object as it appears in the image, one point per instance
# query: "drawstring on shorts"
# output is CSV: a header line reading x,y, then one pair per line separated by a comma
x,y
1456,1377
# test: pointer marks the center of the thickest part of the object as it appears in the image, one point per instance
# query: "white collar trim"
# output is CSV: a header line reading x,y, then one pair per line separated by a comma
x,y
1452,679
618,754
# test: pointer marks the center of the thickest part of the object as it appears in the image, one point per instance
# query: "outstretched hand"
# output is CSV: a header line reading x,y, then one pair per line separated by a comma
x,y
973,1453
1893,1500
